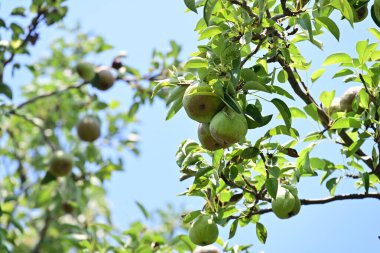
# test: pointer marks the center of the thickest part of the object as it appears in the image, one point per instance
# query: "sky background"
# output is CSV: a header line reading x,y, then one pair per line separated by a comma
x,y
152,178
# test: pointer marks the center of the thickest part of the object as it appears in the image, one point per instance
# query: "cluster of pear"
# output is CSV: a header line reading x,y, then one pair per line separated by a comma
x,y
219,126
344,103
204,231
88,128
286,204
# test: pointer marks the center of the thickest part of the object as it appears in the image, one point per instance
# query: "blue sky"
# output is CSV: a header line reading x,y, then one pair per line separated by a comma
x,y
140,26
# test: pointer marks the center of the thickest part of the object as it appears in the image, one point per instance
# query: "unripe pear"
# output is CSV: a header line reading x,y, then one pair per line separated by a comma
x,y
60,164
334,107
228,127
286,204
203,231
206,140
348,97
86,71
201,103
88,129
361,13
206,249
375,12
104,78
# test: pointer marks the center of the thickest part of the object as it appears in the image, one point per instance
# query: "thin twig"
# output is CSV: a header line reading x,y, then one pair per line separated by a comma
x,y
244,61
321,201
31,29
56,92
42,233
245,6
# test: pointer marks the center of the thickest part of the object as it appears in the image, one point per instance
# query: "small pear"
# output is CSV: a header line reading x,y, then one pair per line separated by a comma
x,y
204,230
201,103
104,78
228,127
60,164
206,140
88,129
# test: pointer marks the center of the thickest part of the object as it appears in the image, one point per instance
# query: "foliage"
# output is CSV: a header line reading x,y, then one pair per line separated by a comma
x,y
249,58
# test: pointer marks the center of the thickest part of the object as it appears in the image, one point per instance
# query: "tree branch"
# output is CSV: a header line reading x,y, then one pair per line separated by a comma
x,y
244,61
57,92
42,130
325,119
42,233
31,29
245,6
327,200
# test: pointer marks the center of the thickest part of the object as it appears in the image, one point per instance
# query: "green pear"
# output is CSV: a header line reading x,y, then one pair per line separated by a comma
x,y
228,127
86,71
361,13
348,97
104,78
206,249
204,230
88,129
60,164
286,204
206,140
375,12
201,103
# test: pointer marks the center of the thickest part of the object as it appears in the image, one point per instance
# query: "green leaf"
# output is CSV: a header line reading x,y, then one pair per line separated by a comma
x,y
196,62
216,158
326,98
161,85
48,178
303,161
343,72
261,232
142,209
375,33
176,93
207,11
312,111
330,25
256,85
345,8
210,32
271,184
297,113
191,216
233,229
227,212
19,11
283,130
6,90
337,58
174,108
191,5
354,147
346,123
365,178
284,111
16,224
250,153
332,183
305,23
317,74
230,102
282,76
